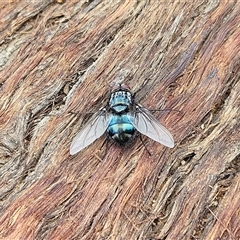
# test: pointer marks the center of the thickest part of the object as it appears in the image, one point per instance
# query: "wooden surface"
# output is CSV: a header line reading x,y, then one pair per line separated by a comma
x,y
61,56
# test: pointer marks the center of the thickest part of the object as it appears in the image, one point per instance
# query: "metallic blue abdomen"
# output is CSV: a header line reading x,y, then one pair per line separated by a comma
x,y
120,129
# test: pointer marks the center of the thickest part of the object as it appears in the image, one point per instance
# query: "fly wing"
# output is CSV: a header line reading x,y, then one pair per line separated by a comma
x,y
90,132
148,125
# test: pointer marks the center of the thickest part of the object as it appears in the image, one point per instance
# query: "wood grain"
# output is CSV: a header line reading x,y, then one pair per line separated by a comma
x,y
58,57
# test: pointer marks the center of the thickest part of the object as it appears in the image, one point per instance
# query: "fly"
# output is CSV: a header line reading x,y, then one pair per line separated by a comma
x,y
121,119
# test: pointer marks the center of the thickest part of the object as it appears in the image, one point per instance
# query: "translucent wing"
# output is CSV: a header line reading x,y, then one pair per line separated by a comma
x,y
90,132
148,125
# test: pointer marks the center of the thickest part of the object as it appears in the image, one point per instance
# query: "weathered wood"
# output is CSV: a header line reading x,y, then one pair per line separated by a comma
x,y
57,58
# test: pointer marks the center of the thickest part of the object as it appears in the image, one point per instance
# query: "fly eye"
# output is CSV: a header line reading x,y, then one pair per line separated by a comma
x,y
125,86
114,86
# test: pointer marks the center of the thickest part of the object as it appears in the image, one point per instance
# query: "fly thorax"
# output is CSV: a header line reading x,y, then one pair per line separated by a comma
x,y
120,101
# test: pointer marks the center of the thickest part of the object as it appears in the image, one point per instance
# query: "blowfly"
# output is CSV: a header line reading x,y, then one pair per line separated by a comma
x,y
121,118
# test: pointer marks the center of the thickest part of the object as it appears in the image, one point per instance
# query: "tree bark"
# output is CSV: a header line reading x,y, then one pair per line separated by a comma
x,y
59,57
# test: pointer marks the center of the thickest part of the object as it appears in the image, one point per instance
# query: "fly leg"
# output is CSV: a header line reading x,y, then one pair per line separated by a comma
x,y
105,142
143,143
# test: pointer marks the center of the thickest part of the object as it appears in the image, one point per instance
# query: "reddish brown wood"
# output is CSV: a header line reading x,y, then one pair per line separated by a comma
x,y
60,56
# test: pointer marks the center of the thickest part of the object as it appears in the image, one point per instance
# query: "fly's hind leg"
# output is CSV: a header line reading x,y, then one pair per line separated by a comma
x,y
143,143
106,142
